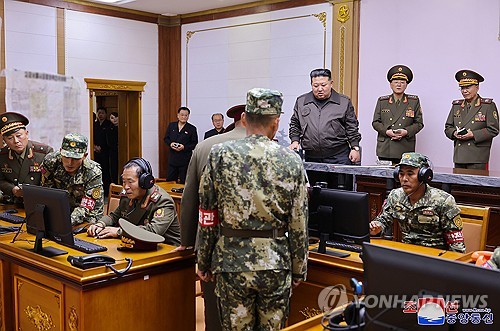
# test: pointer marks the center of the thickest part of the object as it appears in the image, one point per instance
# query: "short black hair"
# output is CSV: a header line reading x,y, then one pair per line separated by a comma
x,y
321,73
114,113
103,108
217,114
183,108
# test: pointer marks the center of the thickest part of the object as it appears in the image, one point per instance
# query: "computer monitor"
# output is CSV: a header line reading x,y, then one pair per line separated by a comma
x,y
48,216
344,216
394,280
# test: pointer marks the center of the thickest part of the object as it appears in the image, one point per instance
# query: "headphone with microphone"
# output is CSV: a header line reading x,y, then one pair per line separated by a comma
x,y
146,179
425,174
353,315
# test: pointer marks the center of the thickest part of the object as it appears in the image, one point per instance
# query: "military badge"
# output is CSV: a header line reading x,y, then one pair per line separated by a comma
x,y
4,119
410,112
96,193
386,110
480,117
159,213
458,221
35,167
155,196
495,115
72,144
427,212
6,169
87,203
457,113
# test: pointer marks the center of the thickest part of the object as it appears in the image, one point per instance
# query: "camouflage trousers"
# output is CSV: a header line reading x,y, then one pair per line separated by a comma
x,y
254,300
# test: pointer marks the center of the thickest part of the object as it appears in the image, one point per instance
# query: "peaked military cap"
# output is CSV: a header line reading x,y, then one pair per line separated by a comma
x,y
235,112
400,72
11,122
135,237
415,160
261,101
74,145
468,78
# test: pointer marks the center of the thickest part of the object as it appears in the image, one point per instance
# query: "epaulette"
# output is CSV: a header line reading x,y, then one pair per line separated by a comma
x,y
40,148
458,102
385,97
410,96
486,100
155,196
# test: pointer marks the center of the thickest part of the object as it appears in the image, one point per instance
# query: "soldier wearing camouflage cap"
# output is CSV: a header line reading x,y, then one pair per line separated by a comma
x,y
472,123
20,159
252,192
427,216
397,117
69,169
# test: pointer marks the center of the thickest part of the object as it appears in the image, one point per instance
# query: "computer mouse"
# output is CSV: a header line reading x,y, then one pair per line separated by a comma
x,y
80,230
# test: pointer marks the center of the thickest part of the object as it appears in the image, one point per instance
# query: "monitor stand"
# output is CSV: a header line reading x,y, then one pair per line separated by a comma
x,y
39,221
323,237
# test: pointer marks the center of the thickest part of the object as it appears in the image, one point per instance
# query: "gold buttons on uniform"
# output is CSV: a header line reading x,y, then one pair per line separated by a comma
x,y
32,178
472,121
390,119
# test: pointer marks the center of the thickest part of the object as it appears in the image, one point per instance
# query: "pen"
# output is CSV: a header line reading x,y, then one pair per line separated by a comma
x,y
442,252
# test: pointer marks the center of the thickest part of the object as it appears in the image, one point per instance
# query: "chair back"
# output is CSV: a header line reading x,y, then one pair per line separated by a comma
x,y
475,221
114,197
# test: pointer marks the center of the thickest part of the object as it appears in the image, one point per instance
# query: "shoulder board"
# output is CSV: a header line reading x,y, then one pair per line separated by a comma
x,y
385,97
155,196
40,148
410,96
458,102
486,100
4,150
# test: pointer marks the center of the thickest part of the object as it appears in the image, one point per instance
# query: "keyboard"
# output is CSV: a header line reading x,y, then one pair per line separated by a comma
x,y
87,246
344,246
11,218
8,229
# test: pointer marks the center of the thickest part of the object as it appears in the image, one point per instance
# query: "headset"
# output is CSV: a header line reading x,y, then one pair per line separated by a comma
x,y
146,179
353,315
425,174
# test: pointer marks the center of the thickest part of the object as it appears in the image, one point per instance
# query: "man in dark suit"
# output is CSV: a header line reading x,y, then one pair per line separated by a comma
x,y
20,159
218,122
397,117
101,129
181,137
472,123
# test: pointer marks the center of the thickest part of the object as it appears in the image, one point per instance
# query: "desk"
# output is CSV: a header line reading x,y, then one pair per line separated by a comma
x,y
167,186
157,293
325,270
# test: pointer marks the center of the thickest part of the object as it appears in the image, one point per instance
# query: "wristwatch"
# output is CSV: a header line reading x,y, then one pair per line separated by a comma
x,y
355,148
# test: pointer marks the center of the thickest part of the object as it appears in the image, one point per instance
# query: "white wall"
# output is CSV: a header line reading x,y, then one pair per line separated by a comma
x,y
435,39
226,61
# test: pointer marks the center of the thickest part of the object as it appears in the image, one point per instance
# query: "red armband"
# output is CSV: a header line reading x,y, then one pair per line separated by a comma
x,y
88,203
454,237
208,217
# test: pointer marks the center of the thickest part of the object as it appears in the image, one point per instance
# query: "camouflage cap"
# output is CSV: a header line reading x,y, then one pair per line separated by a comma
x,y
74,145
415,160
261,101
137,238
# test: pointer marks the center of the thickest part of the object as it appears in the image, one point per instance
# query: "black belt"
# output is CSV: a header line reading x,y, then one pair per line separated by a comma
x,y
241,233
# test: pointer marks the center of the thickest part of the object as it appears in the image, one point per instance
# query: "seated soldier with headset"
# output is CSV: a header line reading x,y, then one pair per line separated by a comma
x,y
142,203
427,216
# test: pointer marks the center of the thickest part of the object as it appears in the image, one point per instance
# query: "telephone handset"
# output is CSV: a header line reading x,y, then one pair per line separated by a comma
x,y
90,261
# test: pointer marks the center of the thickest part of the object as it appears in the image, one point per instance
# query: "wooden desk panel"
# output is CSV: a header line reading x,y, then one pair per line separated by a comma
x,y
156,294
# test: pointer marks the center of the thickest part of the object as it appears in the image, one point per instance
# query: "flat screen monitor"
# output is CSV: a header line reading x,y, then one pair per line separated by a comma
x,y
343,215
48,216
460,296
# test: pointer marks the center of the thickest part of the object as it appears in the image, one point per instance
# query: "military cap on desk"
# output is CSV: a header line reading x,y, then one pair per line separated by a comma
x,y
468,78
11,122
401,72
415,160
135,237
262,101
74,145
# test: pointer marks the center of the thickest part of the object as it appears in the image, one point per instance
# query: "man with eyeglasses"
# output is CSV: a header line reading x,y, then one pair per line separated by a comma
x,y
218,122
325,126
397,117
472,123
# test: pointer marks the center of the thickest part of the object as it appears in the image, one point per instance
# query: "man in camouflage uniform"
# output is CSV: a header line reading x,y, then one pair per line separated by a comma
x,y
253,221
148,206
478,119
427,216
398,117
20,159
69,169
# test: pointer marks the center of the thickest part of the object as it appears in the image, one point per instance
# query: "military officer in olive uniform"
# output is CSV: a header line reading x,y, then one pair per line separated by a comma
x,y
472,123
20,159
398,117
69,169
142,203
252,192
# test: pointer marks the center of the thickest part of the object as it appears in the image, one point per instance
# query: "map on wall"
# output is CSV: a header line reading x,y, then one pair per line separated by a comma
x,y
50,101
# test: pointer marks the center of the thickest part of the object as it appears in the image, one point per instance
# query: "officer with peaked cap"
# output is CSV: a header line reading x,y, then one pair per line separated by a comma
x,y
472,123
69,169
398,117
20,159
252,192
426,215
190,202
